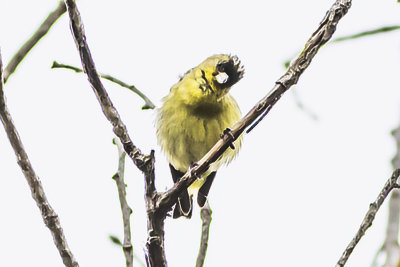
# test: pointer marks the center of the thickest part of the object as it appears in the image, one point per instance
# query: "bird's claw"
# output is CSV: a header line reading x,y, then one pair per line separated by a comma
x,y
192,166
228,132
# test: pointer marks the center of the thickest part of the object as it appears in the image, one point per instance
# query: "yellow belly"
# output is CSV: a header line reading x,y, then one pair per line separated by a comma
x,y
186,137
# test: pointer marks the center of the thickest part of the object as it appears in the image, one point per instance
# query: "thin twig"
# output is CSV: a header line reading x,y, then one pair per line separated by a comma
x,y
384,29
107,106
35,38
367,33
206,218
126,210
148,104
370,216
158,204
49,216
301,106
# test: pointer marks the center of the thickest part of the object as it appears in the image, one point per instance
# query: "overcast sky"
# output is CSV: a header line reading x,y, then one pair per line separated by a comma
x,y
298,190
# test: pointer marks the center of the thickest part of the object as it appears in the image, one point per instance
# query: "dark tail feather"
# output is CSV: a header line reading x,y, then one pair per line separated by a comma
x,y
184,205
205,189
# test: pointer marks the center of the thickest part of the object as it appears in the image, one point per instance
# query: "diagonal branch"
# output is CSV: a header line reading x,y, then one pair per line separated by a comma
x,y
49,216
370,216
107,106
324,32
126,210
35,38
148,104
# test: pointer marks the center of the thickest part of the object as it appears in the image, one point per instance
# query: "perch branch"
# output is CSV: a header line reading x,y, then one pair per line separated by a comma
x,y
35,38
370,216
158,204
49,216
126,210
148,104
324,32
206,218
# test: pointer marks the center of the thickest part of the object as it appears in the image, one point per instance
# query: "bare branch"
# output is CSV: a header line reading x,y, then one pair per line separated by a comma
x,y
35,38
126,210
370,216
206,218
324,32
159,204
148,104
49,216
107,106
155,223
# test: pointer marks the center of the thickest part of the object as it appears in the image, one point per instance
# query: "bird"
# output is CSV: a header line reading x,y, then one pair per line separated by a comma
x,y
191,119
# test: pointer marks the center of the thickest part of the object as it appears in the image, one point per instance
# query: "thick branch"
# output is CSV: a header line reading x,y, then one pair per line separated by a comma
x,y
49,216
370,216
324,32
35,38
107,106
148,104
205,214
126,210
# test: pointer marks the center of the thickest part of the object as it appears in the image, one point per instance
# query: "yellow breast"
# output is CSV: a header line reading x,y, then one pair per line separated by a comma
x,y
186,133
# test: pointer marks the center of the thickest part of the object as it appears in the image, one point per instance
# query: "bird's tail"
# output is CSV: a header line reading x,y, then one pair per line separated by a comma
x,y
205,189
184,205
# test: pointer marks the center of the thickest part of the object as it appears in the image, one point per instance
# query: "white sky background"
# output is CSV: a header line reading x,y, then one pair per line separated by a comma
x,y
298,190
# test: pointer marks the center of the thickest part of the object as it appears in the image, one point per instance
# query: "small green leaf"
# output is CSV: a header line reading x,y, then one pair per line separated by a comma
x,y
115,240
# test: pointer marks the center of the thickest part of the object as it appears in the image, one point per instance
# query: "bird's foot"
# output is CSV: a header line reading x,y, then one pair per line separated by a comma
x,y
191,167
228,132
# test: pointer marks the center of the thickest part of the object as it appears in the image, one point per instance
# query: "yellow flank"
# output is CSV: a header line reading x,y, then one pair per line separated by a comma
x,y
194,114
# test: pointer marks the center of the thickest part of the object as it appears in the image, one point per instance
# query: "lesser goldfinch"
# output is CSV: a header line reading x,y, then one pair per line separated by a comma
x,y
191,119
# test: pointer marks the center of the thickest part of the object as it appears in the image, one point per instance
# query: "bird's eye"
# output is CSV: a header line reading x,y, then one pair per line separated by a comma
x,y
220,67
